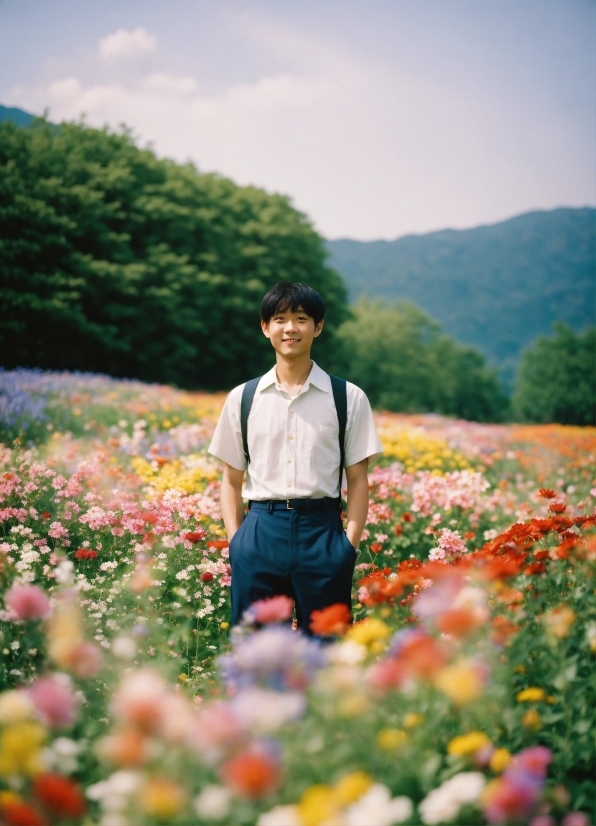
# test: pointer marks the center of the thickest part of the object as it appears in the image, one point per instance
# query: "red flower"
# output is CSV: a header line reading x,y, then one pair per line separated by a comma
x,y
407,517
469,535
332,620
398,530
535,568
148,516
376,547
219,544
547,493
195,536
19,813
46,515
557,507
60,795
85,553
540,555
251,775
207,577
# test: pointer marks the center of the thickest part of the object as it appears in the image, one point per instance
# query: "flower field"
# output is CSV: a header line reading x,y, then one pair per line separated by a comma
x,y
462,693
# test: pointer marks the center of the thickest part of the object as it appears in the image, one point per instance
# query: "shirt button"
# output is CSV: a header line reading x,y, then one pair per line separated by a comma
x,y
291,411
290,436
289,484
289,461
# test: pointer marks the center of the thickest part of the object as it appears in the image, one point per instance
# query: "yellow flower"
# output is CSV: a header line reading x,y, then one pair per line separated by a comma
x,y
224,625
461,682
351,787
353,704
318,805
369,631
161,798
468,743
531,695
519,669
390,739
183,677
15,706
412,720
532,720
20,749
499,760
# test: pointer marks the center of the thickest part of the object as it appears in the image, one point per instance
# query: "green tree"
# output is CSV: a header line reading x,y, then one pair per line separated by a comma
x,y
114,260
556,381
404,362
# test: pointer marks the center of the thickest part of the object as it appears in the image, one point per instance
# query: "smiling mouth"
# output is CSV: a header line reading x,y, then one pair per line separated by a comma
x,y
292,340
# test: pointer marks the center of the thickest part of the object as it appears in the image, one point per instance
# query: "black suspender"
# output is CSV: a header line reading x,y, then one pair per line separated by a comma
x,y
340,397
248,394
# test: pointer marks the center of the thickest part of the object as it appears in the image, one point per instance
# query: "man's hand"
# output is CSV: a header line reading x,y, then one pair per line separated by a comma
x,y
357,476
230,499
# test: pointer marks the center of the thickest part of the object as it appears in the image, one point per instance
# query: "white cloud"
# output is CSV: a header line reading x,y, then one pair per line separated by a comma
x,y
126,44
365,150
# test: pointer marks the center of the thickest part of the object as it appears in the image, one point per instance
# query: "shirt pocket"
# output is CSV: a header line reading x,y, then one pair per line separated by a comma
x,y
322,445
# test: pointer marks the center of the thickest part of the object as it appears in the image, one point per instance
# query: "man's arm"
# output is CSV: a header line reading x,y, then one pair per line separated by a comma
x,y
230,499
357,476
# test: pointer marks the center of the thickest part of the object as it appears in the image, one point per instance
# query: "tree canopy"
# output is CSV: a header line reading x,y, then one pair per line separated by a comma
x,y
404,362
557,379
113,260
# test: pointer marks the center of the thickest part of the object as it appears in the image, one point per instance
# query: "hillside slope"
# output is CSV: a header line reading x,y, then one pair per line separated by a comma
x,y
495,287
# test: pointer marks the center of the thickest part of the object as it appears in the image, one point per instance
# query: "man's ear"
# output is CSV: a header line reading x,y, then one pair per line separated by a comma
x,y
318,328
265,328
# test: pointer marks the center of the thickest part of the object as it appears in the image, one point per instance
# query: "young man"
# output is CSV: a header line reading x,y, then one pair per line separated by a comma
x,y
292,540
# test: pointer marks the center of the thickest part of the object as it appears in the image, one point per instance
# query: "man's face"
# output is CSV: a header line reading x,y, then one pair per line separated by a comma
x,y
291,334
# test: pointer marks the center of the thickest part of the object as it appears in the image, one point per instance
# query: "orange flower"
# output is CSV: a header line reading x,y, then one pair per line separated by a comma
x,y
557,507
502,629
459,622
60,795
547,493
127,747
332,620
251,775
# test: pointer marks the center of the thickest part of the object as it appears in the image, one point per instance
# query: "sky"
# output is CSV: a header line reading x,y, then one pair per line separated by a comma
x,y
378,118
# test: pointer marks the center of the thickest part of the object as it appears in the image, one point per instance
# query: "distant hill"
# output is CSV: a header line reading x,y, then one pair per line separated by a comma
x,y
18,116
494,287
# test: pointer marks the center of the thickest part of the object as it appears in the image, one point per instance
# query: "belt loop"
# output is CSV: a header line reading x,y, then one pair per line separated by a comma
x,y
270,506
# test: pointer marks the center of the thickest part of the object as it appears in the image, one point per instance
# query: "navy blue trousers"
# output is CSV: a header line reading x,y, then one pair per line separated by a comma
x,y
304,555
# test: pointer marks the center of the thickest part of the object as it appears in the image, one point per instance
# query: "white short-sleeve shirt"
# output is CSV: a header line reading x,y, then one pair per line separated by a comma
x,y
294,442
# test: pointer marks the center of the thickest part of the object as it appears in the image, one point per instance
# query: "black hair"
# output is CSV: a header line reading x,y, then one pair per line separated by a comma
x,y
287,294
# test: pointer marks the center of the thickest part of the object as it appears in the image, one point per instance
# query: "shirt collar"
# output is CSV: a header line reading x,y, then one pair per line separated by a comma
x,y
318,377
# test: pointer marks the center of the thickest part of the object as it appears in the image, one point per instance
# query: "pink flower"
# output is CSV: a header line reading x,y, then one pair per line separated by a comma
x,y
87,660
54,700
27,602
449,543
576,818
58,531
274,609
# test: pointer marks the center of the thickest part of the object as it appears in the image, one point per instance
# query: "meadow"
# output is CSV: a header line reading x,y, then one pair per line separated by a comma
x,y
463,692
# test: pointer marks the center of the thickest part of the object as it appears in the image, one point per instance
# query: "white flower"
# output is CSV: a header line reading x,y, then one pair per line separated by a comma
x,y
264,711
377,808
347,653
280,816
64,572
15,645
442,805
213,803
124,648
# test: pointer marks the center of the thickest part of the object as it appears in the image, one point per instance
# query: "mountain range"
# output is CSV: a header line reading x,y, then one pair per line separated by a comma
x,y
494,287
